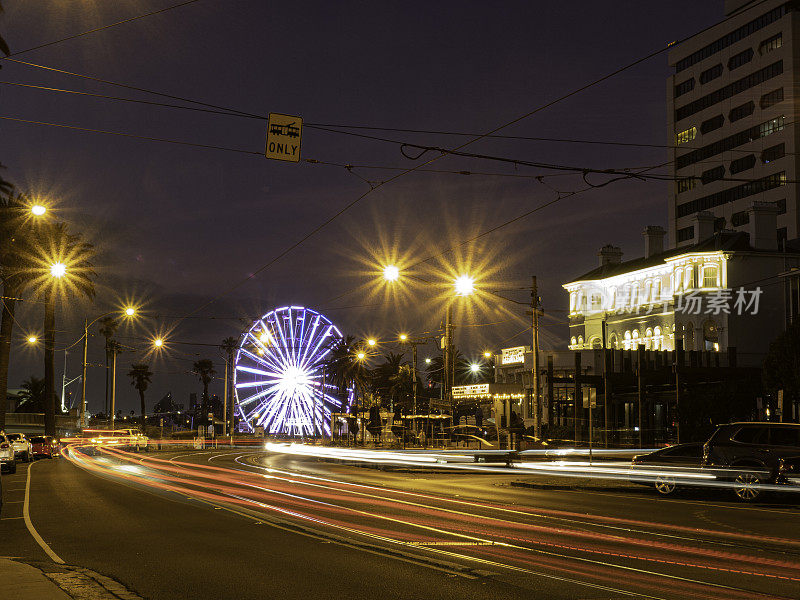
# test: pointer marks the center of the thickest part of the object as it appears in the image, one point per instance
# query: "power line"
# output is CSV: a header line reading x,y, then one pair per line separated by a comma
x,y
97,29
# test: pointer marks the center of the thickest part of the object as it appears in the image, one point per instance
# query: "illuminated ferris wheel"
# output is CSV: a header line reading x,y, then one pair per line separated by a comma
x,y
279,375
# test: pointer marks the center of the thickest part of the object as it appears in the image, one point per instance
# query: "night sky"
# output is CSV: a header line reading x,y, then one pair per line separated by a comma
x,y
177,227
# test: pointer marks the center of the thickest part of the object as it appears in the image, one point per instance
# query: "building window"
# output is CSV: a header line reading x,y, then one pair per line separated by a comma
x,y
612,298
781,204
648,338
635,339
627,341
689,278
730,90
685,233
729,143
710,276
734,36
740,218
742,164
657,342
771,98
635,294
596,343
771,126
782,238
685,184
597,302
770,44
712,124
772,153
613,341
737,60
580,340
573,341
711,74
572,299
711,335
688,337
712,174
647,293
685,87
741,111
744,190
686,136
719,224
657,289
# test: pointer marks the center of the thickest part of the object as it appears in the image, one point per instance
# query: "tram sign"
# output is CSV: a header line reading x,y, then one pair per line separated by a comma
x,y
284,133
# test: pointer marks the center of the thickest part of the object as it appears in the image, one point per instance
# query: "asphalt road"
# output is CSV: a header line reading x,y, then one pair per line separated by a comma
x,y
248,524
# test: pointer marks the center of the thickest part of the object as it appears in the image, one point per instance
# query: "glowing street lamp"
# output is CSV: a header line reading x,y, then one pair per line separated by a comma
x,y
487,354
391,273
403,337
38,210
130,311
158,342
372,341
58,270
475,367
427,361
361,355
32,340
465,285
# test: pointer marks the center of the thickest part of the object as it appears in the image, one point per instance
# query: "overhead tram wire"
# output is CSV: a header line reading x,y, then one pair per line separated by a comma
x,y
98,29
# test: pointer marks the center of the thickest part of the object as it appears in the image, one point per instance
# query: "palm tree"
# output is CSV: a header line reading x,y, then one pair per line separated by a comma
x,y
56,245
204,369
229,345
140,378
108,327
3,45
32,395
16,273
383,373
343,368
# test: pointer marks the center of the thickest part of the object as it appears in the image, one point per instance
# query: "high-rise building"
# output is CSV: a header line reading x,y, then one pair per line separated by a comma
x,y
733,124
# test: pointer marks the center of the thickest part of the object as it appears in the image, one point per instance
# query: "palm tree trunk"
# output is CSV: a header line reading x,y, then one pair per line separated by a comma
x,y
49,363
6,327
141,397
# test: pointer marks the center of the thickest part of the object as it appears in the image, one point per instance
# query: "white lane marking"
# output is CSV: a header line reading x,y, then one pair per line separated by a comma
x,y
27,516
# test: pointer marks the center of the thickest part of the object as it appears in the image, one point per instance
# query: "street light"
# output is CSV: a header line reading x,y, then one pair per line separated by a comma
x,y
128,312
38,210
58,270
391,273
487,354
475,367
372,341
361,355
465,285
427,361
403,337
158,342
32,340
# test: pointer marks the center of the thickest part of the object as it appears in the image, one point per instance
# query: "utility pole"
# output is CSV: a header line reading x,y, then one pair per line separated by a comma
x,y
225,402
535,355
83,373
113,385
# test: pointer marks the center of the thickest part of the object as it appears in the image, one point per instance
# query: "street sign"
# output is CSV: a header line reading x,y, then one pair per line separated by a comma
x,y
284,133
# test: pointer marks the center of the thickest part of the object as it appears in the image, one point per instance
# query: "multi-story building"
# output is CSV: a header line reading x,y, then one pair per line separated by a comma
x,y
725,290
731,120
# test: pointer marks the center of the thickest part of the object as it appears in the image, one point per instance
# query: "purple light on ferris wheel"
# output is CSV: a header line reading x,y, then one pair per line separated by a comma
x,y
278,374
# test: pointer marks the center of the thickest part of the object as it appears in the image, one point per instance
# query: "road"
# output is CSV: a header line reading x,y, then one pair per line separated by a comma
x,y
252,524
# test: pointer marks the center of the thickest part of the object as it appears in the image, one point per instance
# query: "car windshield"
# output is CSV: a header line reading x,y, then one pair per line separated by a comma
x,y
38,440
15,437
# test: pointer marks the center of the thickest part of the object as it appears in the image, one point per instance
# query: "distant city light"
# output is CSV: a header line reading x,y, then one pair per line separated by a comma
x,y
465,285
391,273
58,269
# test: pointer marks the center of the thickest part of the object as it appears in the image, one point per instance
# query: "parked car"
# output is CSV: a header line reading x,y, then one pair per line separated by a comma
x,y
45,445
666,481
21,445
8,460
751,453
789,470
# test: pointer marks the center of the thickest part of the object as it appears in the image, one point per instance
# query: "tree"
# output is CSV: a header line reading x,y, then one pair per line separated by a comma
x,y
781,367
229,345
344,369
32,396
108,327
140,378
383,374
463,373
3,45
204,369
55,245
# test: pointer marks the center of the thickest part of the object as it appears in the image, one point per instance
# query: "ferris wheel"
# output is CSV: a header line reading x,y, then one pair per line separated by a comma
x,y
279,379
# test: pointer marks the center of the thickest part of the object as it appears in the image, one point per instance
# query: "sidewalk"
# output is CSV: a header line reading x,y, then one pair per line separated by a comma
x,y
19,580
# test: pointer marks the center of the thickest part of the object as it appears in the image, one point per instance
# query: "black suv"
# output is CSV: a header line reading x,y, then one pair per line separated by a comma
x,y
756,449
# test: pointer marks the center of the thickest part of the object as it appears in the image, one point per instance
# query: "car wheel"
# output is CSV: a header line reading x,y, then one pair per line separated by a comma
x,y
746,486
665,485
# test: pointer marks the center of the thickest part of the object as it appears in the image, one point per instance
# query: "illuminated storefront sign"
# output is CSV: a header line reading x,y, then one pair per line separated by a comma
x,y
512,355
467,391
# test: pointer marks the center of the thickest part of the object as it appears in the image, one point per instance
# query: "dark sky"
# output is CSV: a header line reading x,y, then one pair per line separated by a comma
x,y
176,226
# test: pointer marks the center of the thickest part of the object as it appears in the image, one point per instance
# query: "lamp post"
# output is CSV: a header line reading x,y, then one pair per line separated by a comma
x,y
129,312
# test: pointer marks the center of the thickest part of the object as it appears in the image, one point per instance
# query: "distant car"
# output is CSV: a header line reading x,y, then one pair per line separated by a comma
x,y
666,481
21,445
751,454
45,445
8,460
